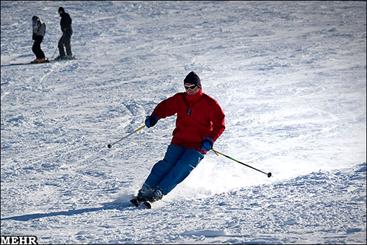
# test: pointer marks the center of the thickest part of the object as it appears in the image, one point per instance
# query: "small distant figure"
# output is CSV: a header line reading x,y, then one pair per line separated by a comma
x,y
39,31
67,31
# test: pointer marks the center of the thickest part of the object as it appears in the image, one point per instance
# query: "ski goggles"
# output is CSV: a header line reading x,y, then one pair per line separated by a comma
x,y
190,87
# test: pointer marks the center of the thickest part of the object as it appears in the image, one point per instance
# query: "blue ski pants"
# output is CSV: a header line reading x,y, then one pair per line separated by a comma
x,y
176,165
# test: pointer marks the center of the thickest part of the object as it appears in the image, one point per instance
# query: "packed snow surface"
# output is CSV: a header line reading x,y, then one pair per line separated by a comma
x,y
289,75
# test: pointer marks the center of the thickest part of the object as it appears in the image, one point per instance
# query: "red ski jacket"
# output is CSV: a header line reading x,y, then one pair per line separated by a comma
x,y
198,116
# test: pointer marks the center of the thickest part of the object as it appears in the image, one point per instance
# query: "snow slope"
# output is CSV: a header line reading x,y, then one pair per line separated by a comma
x,y
290,76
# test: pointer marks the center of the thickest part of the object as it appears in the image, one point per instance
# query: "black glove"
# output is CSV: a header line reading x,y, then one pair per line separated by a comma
x,y
150,121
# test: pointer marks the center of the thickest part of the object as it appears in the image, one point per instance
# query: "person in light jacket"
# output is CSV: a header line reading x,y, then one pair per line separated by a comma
x,y
39,31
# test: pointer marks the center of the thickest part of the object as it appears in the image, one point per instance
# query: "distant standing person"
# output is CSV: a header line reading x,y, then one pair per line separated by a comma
x,y
39,31
67,31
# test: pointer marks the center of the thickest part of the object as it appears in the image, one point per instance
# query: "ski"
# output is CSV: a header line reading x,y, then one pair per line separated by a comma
x,y
138,203
147,205
65,59
135,202
38,63
26,63
45,61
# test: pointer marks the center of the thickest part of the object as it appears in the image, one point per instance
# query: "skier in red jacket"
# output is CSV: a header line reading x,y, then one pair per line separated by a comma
x,y
200,121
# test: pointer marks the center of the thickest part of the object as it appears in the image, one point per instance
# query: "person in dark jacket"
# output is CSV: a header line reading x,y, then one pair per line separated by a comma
x,y
67,31
199,123
39,31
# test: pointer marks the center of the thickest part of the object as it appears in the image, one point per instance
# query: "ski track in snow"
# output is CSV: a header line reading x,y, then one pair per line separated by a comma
x,y
290,76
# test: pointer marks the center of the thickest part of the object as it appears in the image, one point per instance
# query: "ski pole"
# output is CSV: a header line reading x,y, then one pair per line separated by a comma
x,y
136,130
219,153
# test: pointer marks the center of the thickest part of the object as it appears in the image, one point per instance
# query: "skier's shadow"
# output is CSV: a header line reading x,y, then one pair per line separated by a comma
x,y
118,205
